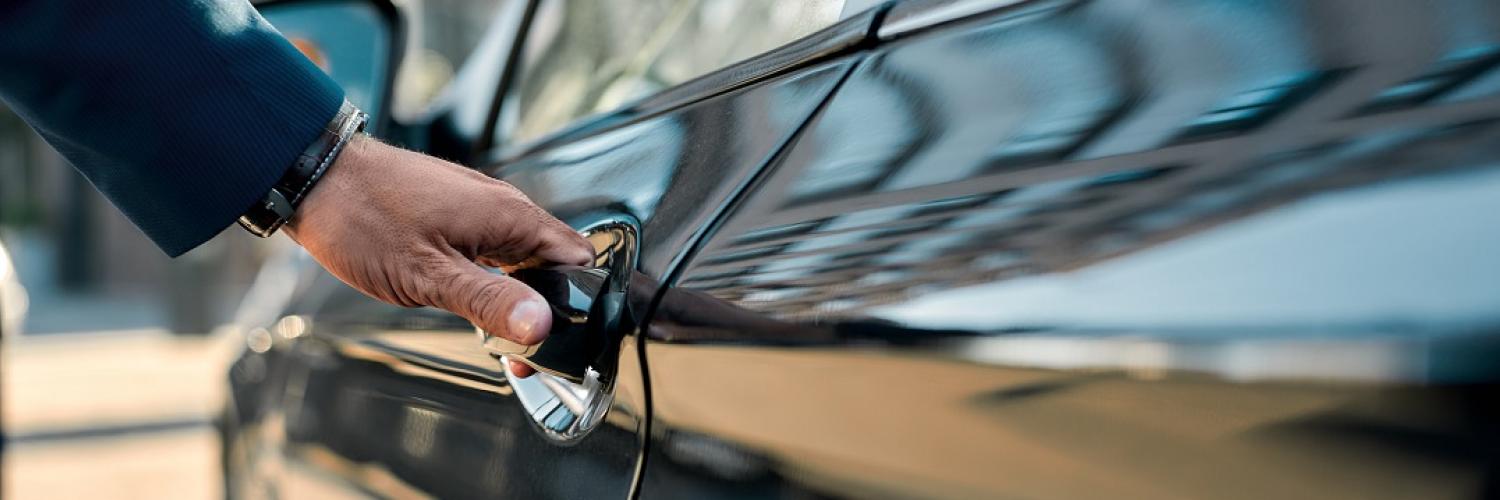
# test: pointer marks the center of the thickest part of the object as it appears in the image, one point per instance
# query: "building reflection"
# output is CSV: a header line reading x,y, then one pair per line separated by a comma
x,y
1099,149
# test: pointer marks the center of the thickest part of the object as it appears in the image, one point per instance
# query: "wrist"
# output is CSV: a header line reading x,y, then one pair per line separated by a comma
x,y
338,178
279,205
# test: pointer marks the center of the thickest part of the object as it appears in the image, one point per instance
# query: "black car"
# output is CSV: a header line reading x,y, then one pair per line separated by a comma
x,y
936,249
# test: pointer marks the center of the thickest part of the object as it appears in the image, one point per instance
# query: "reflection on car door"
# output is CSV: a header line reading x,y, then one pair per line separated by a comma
x,y
401,400
1085,249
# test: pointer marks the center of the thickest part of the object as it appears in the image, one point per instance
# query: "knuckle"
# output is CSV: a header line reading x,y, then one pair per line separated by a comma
x,y
430,264
510,189
429,279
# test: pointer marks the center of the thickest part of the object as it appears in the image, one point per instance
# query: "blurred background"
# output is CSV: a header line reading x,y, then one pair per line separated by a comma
x,y
114,355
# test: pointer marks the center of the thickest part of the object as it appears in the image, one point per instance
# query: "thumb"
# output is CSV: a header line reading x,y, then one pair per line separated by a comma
x,y
498,304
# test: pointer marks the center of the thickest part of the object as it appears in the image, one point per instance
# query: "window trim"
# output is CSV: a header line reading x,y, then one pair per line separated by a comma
x,y
486,141
847,35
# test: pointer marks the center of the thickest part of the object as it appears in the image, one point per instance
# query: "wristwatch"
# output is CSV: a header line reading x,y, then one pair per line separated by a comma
x,y
276,208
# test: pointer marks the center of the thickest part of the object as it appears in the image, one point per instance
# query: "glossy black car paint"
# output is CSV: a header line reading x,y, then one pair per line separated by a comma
x,y
1036,249
1135,268
390,401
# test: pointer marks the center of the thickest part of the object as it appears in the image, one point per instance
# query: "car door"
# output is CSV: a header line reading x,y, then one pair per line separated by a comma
x,y
1059,249
395,402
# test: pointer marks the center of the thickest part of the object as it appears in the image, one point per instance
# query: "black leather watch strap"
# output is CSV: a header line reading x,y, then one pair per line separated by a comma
x,y
278,205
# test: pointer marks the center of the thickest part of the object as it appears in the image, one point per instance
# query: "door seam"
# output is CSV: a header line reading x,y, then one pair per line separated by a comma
x,y
699,238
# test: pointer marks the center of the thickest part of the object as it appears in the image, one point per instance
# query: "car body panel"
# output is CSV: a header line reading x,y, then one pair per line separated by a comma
x,y
673,171
1118,272
961,249
383,400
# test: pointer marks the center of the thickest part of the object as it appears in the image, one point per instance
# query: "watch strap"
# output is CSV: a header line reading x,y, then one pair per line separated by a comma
x,y
279,204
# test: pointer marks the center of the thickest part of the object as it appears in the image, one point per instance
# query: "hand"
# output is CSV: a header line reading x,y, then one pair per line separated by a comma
x,y
408,229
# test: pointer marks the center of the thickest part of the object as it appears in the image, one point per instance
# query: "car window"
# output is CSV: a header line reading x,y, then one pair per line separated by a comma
x,y
589,56
443,34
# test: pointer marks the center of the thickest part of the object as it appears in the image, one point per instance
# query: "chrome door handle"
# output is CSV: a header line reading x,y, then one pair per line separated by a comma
x,y
578,359
588,313
579,336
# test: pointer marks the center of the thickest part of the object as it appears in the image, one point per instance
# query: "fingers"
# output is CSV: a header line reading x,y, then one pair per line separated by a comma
x,y
520,369
570,249
527,236
560,244
405,228
500,305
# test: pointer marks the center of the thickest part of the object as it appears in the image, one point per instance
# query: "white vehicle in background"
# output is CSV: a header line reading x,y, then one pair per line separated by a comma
x,y
12,297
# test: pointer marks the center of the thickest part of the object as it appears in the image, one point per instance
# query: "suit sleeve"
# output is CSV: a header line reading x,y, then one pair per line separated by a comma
x,y
182,112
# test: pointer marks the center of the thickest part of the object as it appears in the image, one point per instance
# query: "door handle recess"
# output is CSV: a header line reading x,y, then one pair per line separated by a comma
x,y
578,359
579,336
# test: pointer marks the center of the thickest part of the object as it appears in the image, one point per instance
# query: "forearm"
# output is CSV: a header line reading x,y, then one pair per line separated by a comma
x,y
182,112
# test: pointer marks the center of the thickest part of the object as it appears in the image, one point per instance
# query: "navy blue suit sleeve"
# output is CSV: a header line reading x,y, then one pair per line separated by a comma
x,y
182,112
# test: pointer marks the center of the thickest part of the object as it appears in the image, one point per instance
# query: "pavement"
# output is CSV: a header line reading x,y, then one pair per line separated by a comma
x,y
116,414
